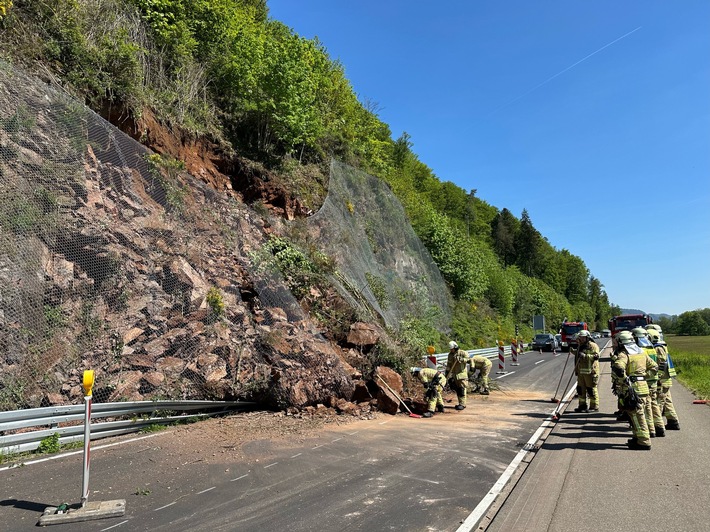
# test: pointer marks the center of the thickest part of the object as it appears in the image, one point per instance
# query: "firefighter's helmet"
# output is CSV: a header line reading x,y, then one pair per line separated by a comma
x,y
453,345
654,335
639,332
654,326
623,338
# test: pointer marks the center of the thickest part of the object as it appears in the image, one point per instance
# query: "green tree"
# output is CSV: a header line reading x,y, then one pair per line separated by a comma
x,y
692,324
504,229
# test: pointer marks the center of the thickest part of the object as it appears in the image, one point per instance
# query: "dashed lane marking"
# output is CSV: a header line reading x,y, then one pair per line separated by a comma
x,y
539,362
205,491
295,455
163,507
270,465
504,375
337,439
114,526
239,478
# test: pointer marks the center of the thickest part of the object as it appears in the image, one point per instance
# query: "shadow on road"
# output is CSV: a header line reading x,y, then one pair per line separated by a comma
x,y
26,505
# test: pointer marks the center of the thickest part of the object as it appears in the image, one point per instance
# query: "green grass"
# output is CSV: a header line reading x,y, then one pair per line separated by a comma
x,y
691,356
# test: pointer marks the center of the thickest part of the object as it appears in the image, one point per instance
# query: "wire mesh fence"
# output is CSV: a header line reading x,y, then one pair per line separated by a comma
x,y
115,259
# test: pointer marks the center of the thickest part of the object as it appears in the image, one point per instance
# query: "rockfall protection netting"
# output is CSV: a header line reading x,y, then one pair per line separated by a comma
x,y
382,266
117,260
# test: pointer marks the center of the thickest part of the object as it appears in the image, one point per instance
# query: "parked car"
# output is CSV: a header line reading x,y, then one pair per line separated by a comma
x,y
544,341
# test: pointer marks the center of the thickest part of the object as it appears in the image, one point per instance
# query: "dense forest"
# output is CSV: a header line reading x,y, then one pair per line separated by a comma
x,y
223,70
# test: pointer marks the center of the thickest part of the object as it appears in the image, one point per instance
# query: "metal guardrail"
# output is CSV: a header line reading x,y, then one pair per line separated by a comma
x,y
488,352
160,412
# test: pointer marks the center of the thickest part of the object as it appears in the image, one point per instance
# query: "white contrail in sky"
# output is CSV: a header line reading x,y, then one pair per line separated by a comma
x,y
548,80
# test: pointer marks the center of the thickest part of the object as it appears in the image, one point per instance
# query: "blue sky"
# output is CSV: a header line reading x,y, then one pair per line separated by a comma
x,y
593,116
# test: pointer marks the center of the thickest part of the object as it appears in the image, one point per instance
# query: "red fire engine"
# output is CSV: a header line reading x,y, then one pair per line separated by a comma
x,y
626,322
569,331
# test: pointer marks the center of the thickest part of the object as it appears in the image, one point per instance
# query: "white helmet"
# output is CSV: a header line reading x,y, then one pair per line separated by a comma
x,y
453,345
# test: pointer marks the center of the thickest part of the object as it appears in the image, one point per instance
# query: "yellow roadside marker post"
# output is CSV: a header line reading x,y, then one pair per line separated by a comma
x,y
85,511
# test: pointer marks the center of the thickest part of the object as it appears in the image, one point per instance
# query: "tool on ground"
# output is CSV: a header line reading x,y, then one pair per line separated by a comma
x,y
558,409
554,398
411,414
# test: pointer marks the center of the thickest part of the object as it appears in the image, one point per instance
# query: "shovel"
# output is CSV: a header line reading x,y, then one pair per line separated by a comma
x,y
411,414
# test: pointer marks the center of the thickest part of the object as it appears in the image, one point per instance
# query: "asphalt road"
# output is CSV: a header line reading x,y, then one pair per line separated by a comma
x,y
393,473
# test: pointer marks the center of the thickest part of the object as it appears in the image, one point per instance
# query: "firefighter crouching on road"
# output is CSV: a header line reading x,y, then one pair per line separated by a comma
x,y
434,382
653,411
482,366
587,369
665,372
629,374
456,374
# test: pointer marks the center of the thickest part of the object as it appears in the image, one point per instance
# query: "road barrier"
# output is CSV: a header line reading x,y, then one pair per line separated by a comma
x,y
142,414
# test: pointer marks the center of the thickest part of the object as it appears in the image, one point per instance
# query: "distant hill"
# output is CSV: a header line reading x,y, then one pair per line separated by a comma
x,y
655,317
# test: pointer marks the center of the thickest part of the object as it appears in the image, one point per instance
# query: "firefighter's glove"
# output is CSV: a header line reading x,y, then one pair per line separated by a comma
x,y
596,356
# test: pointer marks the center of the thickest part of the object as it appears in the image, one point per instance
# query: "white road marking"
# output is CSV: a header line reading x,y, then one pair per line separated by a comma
x,y
94,448
205,491
504,375
267,466
483,506
239,478
163,507
114,526
353,433
295,455
337,439
539,362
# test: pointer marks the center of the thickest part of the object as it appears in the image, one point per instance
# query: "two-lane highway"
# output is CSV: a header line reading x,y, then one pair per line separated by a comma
x,y
391,473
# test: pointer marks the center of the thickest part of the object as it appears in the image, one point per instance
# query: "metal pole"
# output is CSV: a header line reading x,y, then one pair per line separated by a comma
x,y
87,384
87,445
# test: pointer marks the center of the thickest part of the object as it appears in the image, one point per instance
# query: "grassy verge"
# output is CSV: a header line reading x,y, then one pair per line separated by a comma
x,y
691,356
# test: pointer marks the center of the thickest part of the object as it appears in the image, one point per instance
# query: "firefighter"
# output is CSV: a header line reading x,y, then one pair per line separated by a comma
x,y
456,374
587,369
482,366
653,411
434,382
629,374
665,372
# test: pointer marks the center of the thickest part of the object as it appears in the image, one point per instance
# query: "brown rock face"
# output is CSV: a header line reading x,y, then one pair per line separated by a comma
x,y
364,334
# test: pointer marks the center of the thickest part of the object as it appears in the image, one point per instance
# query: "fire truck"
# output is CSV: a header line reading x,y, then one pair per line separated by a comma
x,y
626,322
569,331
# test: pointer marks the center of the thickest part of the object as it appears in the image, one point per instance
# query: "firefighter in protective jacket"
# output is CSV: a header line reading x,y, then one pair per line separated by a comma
x,y
456,374
434,382
653,410
483,366
587,368
629,372
665,372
